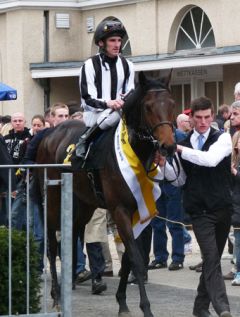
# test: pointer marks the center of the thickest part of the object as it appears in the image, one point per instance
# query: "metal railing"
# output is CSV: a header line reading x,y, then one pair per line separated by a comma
x,y
66,240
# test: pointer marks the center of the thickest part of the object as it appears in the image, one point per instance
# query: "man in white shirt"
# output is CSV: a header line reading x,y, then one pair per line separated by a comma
x,y
205,171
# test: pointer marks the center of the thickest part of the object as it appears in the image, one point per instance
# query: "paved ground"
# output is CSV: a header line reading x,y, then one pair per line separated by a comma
x,y
170,293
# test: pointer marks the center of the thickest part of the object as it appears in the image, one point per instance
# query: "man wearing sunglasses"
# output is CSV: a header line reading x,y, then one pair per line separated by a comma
x,y
104,80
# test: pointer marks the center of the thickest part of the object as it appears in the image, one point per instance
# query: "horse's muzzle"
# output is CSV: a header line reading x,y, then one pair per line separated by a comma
x,y
167,150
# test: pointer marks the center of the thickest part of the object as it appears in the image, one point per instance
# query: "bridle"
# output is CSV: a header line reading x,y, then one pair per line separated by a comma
x,y
148,135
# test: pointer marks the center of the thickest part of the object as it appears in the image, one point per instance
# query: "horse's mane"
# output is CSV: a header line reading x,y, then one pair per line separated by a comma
x,y
132,109
70,124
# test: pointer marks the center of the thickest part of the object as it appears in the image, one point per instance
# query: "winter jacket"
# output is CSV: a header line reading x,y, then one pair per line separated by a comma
x,y
236,200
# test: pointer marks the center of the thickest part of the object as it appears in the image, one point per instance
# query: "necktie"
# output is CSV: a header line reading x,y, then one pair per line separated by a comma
x,y
200,141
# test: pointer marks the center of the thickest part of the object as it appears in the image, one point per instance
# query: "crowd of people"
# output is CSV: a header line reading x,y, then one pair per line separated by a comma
x,y
208,155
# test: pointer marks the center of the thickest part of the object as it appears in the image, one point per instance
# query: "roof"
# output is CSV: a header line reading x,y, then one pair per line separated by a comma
x,y
179,59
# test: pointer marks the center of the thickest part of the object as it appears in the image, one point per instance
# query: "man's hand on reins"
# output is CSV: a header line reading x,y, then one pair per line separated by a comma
x,y
179,148
159,159
115,104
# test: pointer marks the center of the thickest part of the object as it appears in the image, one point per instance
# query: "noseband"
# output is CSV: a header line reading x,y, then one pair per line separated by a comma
x,y
150,131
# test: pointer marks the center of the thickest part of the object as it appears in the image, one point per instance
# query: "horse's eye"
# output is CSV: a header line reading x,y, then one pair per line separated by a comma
x,y
148,108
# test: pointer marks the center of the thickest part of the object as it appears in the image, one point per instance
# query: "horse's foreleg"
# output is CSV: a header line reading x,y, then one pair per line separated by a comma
x,y
139,272
52,253
136,261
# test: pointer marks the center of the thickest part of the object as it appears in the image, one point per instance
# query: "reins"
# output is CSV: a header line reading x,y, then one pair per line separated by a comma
x,y
148,135
156,166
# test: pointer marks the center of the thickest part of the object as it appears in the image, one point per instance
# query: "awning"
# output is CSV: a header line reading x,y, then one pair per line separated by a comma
x,y
7,92
179,59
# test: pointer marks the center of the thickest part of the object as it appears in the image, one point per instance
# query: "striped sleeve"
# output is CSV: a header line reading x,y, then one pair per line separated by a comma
x,y
88,87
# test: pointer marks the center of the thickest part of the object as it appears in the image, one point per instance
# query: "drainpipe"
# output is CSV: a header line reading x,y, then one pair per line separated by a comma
x,y
46,84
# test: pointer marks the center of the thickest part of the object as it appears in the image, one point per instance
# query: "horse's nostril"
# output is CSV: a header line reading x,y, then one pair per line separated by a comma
x,y
168,150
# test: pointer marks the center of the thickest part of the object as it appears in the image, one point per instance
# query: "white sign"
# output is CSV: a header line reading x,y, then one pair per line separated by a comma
x,y
191,72
90,24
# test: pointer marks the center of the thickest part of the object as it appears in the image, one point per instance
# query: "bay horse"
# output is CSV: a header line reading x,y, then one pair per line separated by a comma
x,y
148,114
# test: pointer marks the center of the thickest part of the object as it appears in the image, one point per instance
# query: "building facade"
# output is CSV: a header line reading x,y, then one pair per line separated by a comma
x,y
44,43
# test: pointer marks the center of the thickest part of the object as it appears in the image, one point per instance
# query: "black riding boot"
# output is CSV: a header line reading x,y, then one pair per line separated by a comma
x,y
85,139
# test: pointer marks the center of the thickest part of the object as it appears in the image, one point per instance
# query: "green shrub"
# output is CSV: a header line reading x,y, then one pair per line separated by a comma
x,y
19,273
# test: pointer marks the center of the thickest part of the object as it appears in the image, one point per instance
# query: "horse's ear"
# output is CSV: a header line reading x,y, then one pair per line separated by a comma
x,y
168,79
142,78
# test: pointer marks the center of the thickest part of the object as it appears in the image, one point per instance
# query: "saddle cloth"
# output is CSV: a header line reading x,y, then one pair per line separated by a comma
x,y
144,190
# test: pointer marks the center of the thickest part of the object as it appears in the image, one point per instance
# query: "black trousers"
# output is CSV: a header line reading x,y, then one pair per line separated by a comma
x,y
96,259
211,230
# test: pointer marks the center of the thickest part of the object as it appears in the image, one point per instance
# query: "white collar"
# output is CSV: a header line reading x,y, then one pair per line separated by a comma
x,y
205,134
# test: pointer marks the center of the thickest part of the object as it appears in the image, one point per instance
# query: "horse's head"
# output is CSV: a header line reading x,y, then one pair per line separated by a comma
x,y
158,110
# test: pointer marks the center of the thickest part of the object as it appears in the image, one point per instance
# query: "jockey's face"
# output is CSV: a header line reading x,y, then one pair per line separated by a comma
x,y
112,46
61,115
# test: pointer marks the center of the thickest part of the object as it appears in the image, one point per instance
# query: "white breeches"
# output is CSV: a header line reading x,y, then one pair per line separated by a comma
x,y
105,119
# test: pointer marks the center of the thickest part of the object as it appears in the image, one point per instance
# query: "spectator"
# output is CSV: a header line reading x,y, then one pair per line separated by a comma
x,y
17,138
183,123
35,203
48,118
6,129
235,124
77,116
4,120
19,217
16,142
236,204
38,123
223,115
169,206
73,107
237,91
95,233
59,113
5,159
235,115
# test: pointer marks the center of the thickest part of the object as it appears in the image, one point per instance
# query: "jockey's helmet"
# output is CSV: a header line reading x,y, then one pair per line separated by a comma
x,y
107,29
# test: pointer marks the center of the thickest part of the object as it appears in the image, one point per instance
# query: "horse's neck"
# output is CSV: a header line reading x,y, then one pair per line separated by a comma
x,y
142,148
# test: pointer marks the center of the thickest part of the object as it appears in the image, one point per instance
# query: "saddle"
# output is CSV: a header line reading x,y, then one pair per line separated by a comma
x,y
97,153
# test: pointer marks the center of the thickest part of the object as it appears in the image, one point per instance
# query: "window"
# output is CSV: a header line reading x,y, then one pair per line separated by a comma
x,y
195,31
214,91
182,96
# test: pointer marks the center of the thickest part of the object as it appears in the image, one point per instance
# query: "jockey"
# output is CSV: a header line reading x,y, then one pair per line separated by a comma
x,y
104,80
